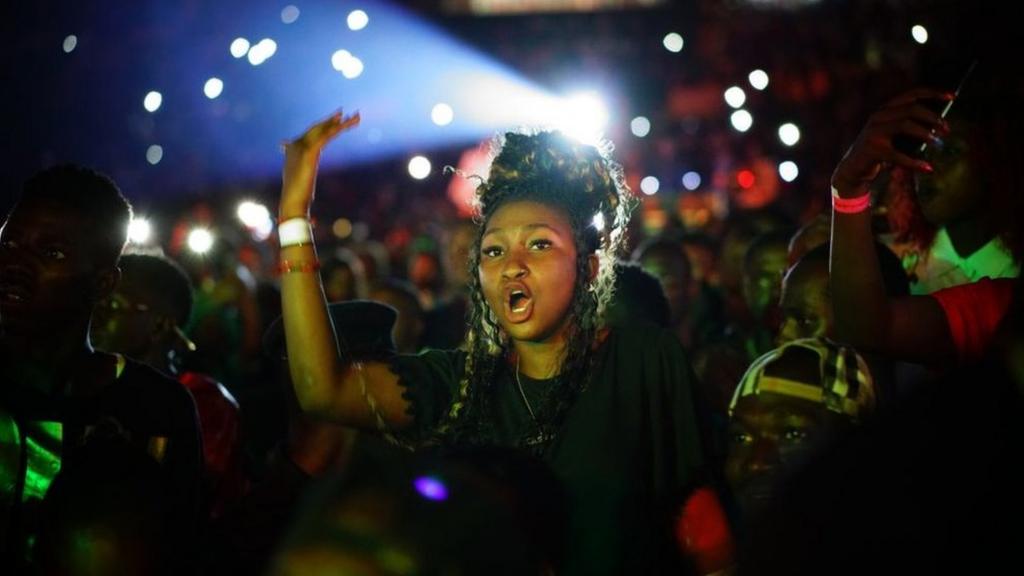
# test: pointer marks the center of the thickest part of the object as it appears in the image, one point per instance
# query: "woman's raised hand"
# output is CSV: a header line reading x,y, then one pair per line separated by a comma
x,y
302,155
907,116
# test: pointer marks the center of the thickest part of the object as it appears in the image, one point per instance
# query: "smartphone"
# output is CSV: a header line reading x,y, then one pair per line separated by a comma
x,y
913,146
949,104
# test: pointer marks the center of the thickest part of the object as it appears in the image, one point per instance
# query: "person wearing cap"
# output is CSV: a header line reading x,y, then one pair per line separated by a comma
x,y
142,319
789,403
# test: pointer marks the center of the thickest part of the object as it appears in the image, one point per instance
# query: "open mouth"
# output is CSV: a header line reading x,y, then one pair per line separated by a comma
x,y
520,304
13,293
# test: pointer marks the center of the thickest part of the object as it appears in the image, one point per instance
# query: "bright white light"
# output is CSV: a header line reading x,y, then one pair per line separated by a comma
x,y
741,120
154,154
139,231
353,68
200,240
239,47
583,117
338,59
253,214
289,14
640,126
213,88
599,221
70,42
357,20
920,34
261,51
650,185
442,114
256,217
691,180
673,42
152,101
735,96
789,134
343,61
419,167
758,79
788,171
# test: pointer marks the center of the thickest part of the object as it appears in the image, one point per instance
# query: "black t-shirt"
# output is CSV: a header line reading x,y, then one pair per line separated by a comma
x,y
626,454
140,407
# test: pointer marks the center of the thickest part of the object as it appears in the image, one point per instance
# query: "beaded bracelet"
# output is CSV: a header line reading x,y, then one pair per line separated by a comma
x,y
287,266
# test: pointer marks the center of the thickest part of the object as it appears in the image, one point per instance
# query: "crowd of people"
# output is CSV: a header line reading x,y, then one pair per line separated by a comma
x,y
546,388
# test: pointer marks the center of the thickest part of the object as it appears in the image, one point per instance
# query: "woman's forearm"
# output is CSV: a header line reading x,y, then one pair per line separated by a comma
x,y
860,304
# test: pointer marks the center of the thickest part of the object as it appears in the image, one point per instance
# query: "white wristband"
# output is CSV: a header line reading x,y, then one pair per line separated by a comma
x,y
295,232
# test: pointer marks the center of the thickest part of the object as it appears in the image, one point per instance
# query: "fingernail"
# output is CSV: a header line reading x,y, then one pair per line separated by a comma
x,y
926,167
949,95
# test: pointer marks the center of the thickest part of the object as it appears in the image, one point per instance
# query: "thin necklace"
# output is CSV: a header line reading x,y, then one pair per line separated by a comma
x,y
522,394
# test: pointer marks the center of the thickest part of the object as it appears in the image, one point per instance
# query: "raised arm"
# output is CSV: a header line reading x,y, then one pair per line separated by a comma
x,y
910,328
326,385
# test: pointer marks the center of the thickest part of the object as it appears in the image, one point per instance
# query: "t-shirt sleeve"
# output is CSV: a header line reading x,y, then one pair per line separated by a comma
x,y
430,381
973,313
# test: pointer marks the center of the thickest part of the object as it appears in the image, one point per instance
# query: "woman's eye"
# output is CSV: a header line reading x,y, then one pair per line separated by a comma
x,y
491,251
55,254
8,244
540,244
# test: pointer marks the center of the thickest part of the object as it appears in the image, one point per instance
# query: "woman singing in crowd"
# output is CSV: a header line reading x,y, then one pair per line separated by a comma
x,y
610,411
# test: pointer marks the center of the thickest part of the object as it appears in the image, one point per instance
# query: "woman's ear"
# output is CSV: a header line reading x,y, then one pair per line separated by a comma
x,y
593,267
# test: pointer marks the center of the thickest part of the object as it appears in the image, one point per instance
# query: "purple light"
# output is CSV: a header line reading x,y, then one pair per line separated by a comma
x,y
431,488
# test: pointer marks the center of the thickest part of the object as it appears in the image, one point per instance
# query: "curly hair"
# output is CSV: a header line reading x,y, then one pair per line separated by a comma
x,y
588,186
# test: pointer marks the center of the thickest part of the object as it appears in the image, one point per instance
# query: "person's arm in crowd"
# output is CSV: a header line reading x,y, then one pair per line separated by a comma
x,y
909,328
326,385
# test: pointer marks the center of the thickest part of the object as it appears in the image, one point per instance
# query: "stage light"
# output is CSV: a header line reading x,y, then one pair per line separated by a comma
x,y
691,180
252,214
650,185
69,43
357,20
673,42
200,240
213,88
419,167
758,79
262,51
789,134
239,47
442,114
640,126
741,120
788,171
746,179
342,228
920,34
343,61
583,117
431,488
735,96
289,14
152,101
154,154
139,231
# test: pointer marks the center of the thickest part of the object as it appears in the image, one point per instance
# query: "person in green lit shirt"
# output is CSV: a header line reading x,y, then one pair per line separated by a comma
x,y
59,249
